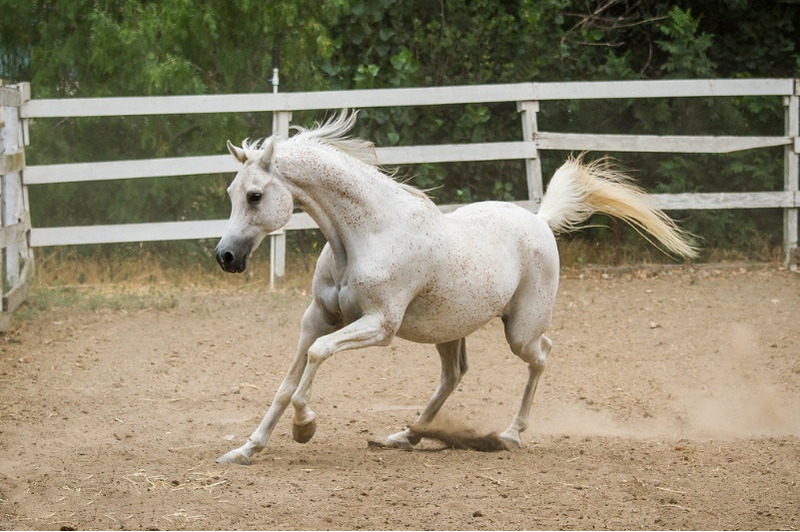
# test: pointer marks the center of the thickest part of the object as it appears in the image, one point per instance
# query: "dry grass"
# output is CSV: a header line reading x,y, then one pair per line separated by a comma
x,y
150,269
580,252
192,480
66,268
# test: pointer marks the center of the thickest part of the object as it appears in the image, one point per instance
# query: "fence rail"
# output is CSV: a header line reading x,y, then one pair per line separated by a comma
x,y
297,101
527,96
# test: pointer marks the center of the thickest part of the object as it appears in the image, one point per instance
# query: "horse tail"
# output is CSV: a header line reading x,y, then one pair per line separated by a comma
x,y
578,190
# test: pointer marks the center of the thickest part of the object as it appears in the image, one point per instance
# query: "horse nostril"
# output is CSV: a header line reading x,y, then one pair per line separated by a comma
x,y
225,258
232,259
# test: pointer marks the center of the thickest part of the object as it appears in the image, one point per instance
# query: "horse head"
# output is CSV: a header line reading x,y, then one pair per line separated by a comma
x,y
260,204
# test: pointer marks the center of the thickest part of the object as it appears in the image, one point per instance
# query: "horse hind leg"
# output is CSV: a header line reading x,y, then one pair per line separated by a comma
x,y
453,356
534,353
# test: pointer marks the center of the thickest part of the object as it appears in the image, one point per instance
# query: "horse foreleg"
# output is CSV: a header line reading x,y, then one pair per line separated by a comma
x,y
313,326
453,356
535,354
369,330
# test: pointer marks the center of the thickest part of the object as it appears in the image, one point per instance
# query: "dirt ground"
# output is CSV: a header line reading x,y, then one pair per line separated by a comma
x,y
671,401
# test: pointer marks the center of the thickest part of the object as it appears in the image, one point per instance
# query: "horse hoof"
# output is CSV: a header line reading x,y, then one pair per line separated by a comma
x,y
413,438
236,456
511,440
304,433
402,440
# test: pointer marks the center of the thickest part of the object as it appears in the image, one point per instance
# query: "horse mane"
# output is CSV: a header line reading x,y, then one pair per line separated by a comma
x,y
333,132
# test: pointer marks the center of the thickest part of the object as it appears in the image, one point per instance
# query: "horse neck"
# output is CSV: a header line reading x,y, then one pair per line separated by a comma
x,y
346,197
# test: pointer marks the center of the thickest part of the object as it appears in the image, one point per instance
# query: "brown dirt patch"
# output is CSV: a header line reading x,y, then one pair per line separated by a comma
x,y
671,401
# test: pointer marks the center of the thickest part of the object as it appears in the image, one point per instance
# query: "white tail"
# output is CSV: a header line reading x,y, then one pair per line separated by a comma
x,y
578,190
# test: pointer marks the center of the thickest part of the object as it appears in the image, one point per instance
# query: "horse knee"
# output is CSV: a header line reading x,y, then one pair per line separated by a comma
x,y
534,353
318,352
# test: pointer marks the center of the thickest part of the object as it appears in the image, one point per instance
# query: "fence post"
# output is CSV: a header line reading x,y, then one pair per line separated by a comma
x,y
277,243
533,166
24,140
15,232
791,176
11,192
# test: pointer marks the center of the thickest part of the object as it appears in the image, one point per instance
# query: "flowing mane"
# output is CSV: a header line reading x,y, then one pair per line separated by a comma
x,y
333,132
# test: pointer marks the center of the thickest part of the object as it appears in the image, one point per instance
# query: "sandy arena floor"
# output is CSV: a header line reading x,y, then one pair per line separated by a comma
x,y
671,401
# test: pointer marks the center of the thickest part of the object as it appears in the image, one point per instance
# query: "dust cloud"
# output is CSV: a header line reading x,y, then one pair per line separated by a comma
x,y
725,396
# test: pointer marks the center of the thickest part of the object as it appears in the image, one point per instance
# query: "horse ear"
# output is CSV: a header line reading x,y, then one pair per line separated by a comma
x,y
267,153
237,152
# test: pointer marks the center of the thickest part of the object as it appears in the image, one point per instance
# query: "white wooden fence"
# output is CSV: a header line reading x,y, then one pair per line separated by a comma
x,y
526,95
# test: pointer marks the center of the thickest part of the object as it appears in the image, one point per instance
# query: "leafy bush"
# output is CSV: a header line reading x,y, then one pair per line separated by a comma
x,y
80,48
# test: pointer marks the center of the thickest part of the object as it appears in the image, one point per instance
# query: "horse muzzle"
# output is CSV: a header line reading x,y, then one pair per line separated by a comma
x,y
232,259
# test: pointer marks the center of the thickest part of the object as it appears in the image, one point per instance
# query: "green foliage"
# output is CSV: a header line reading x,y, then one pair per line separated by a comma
x,y
80,48
686,49
85,48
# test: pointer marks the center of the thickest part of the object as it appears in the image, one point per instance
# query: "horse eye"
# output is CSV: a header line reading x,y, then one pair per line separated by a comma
x,y
253,197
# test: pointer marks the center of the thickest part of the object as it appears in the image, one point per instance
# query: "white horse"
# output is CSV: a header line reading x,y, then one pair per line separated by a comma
x,y
394,265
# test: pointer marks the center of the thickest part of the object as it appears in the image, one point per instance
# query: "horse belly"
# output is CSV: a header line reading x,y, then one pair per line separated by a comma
x,y
456,308
433,329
